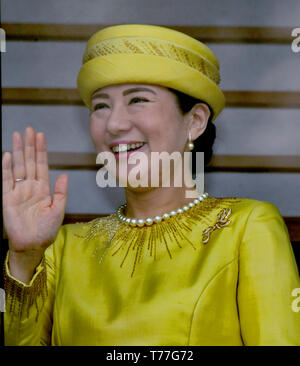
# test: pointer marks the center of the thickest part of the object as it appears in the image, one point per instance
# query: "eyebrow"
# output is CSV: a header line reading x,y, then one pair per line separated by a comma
x,y
126,92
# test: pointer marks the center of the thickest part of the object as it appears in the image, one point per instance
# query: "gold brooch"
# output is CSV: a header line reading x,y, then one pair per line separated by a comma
x,y
223,221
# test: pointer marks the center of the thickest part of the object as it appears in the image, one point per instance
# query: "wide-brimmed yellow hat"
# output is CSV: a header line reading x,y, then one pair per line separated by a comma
x,y
149,54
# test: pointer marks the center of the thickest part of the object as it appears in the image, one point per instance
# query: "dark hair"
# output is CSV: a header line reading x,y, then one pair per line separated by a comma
x,y
206,140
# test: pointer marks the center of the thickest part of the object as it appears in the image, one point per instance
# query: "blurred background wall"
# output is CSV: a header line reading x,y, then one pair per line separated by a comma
x,y
240,131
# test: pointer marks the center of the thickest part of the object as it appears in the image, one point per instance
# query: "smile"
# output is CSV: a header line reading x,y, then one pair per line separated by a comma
x,y
127,147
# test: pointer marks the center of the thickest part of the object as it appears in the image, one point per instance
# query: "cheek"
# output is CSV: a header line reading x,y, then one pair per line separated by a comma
x,y
97,132
164,130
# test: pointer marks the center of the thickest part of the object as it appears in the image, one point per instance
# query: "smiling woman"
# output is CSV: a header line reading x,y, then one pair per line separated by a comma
x,y
165,269
143,115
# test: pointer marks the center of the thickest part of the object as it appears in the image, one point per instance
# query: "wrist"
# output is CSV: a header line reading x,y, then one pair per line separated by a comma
x,y
22,265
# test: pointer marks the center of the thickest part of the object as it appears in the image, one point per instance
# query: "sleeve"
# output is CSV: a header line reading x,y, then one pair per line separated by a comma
x,y
268,275
29,307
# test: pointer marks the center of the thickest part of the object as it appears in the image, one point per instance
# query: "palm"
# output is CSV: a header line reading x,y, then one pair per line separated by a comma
x,y
26,208
31,217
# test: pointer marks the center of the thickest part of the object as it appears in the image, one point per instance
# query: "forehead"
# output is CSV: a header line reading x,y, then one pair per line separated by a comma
x,y
129,88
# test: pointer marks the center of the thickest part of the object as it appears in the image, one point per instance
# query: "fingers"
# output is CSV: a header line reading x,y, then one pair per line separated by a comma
x,y
7,173
29,153
18,156
42,169
30,162
61,191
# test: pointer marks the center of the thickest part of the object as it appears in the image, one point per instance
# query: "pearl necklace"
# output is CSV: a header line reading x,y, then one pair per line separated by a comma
x,y
149,221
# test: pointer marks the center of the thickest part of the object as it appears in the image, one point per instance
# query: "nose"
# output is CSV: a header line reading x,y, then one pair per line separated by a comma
x,y
118,121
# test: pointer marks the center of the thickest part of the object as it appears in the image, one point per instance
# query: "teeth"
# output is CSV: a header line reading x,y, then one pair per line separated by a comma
x,y
125,147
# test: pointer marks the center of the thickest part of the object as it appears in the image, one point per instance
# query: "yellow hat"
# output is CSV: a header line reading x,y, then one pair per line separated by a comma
x,y
149,54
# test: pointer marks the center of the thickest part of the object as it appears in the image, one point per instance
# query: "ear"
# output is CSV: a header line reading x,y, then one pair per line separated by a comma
x,y
197,119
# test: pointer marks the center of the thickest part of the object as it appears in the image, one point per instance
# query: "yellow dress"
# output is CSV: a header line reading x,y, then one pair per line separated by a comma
x,y
164,285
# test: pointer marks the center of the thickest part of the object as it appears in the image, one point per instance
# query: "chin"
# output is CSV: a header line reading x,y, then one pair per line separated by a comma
x,y
138,189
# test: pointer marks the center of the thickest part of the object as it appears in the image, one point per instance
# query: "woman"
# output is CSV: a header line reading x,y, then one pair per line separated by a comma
x,y
164,269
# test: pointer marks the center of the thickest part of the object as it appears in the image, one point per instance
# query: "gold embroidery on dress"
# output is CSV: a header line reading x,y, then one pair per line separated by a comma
x,y
118,237
23,297
223,221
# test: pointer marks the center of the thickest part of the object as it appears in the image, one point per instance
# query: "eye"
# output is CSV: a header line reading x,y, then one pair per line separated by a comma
x,y
138,100
99,106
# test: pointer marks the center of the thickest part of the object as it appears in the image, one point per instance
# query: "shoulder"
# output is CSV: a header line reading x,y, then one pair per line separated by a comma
x,y
259,221
248,207
87,230
258,211
248,215
72,238
68,234
76,228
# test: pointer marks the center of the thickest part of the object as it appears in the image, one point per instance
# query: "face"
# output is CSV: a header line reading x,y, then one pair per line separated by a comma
x,y
137,113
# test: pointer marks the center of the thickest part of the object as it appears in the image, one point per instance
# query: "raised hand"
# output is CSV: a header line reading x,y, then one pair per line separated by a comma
x,y
32,217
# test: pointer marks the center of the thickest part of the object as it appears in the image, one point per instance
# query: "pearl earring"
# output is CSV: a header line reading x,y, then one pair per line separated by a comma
x,y
190,144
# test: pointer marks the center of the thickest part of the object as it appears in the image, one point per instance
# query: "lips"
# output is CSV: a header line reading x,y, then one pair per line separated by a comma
x,y
126,147
126,154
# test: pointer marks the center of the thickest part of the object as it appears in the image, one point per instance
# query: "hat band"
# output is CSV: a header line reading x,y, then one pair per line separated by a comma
x,y
153,47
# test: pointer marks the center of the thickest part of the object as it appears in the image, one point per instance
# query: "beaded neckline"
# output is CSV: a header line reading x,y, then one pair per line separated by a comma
x,y
119,238
150,221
